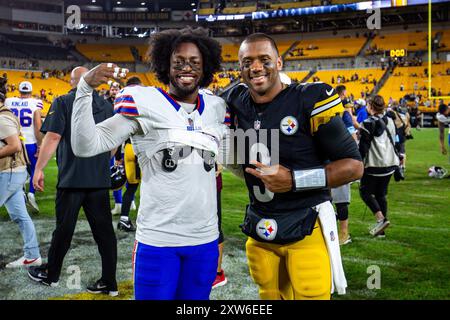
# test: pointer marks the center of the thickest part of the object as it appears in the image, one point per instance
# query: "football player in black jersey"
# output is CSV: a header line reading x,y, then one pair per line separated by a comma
x,y
292,247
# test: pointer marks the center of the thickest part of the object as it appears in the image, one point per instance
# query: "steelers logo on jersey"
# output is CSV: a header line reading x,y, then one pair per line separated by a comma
x,y
289,125
267,229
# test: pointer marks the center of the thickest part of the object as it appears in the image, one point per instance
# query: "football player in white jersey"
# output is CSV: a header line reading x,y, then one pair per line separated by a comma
x,y
28,110
176,137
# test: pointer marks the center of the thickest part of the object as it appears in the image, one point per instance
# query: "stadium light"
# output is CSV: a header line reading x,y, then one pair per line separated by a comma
x,y
119,2
193,4
142,3
194,9
94,1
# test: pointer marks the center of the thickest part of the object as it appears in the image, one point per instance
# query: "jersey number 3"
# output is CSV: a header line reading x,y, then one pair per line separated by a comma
x,y
264,157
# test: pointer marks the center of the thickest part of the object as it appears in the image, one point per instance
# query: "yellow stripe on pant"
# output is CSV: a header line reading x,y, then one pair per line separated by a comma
x,y
296,271
131,169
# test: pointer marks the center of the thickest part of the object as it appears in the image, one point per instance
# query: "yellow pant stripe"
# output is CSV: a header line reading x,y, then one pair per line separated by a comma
x,y
300,270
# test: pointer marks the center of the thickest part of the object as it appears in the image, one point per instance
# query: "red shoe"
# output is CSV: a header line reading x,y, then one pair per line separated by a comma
x,y
220,280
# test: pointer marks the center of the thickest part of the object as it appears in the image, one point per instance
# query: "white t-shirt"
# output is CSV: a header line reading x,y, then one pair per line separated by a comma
x,y
443,119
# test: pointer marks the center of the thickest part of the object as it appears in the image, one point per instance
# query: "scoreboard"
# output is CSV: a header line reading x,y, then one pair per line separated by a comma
x,y
396,53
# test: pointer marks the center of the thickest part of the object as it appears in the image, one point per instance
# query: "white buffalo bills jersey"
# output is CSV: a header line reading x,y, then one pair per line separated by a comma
x,y
177,151
24,109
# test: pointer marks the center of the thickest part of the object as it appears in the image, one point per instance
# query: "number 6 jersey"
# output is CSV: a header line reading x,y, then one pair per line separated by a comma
x,y
24,109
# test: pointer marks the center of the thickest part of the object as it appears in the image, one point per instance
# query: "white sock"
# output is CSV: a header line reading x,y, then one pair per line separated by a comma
x,y
124,218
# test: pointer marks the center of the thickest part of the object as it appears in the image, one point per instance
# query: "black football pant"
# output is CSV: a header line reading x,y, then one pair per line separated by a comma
x,y
373,191
127,199
97,208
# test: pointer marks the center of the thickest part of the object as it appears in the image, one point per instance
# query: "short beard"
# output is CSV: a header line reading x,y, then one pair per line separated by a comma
x,y
183,91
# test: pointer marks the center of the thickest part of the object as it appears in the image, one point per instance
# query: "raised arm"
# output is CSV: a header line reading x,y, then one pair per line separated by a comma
x,y
89,139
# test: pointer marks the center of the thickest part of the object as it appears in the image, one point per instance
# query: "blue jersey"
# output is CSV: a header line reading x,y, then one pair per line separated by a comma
x,y
348,121
361,114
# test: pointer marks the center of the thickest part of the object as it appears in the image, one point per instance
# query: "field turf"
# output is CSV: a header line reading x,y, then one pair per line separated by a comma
x,y
414,258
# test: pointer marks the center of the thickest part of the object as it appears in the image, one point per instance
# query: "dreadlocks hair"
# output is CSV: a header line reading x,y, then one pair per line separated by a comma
x,y
164,43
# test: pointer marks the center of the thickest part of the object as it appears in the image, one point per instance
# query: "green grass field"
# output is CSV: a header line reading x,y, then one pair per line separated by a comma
x,y
414,259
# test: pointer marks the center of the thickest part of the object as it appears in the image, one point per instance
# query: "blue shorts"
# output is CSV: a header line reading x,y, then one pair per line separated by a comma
x,y
31,151
174,273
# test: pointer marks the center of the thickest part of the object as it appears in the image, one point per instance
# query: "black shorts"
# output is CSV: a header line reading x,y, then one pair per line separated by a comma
x,y
401,148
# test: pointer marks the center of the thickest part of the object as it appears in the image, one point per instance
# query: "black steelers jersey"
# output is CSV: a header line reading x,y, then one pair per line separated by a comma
x,y
295,115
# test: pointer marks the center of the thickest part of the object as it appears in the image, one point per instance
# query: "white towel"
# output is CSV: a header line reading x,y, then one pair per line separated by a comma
x,y
327,218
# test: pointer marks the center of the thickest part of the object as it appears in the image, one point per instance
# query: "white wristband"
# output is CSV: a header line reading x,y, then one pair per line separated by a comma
x,y
309,179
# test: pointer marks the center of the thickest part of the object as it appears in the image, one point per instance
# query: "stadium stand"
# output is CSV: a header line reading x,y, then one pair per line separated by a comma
x,y
357,81
440,79
414,80
55,86
326,48
411,41
34,51
237,10
444,44
105,52
142,51
406,76
230,52
297,76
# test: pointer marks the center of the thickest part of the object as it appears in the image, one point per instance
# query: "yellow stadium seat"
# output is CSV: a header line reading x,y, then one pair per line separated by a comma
x,y
56,86
411,41
105,52
445,41
353,87
326,48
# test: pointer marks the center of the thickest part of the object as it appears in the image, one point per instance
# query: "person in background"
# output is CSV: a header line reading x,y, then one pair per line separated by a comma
x,y
82,183
403,131
176,136
133,173
443,118
341,195
28,110
315,152
13,174
377,149
117,160
361,111
221,279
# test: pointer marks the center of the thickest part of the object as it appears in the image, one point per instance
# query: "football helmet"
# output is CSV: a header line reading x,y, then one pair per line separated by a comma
x,y
118,177
437,172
